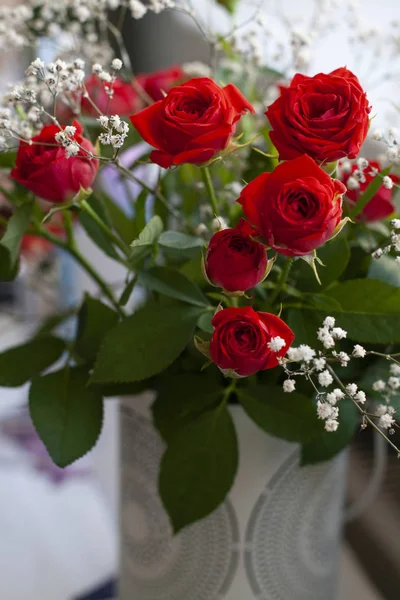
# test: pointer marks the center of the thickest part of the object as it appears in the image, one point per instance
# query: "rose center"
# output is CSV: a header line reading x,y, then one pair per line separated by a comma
x,y
240,245
245,337
299,204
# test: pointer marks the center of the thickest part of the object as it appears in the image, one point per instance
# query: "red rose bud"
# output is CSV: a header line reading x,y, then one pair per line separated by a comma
x,y
245,341
296,208
325,116
234,261
192,123
44,169
381,205
156,84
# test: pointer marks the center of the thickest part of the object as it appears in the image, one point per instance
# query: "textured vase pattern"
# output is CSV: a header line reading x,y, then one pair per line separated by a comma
x,y
277,536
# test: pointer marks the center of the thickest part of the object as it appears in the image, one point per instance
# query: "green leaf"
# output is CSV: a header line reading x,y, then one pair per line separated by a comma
x,y
94,231
54,321
204,322
7,160
122,224
67,415
145,343
289,416
369,193
329,444
127,292
20,363
94,321
304,324
8,272
370,310
180,241
16,228
230,5
122,389
143,245
385,269
140,210
182,399
335,255
172,283
199,467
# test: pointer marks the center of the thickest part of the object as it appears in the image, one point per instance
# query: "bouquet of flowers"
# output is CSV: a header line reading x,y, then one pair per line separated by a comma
x,y
267,248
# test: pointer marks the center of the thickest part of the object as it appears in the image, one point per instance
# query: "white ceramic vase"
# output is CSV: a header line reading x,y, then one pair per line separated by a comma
x,y
277,536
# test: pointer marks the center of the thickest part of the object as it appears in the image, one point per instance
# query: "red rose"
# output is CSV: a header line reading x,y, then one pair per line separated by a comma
x,y
192,123
234,261
296,208
325,116
381,205
154,84
246,341
45,170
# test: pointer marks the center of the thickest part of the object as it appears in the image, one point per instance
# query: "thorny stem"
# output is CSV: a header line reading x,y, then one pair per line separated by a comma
x,y
363,412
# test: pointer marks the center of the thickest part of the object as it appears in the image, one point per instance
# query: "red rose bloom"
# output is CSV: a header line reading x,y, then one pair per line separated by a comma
x,y
296,208
234,261
325,116
192,123
47,172
381,205
154,84
124,101
242,338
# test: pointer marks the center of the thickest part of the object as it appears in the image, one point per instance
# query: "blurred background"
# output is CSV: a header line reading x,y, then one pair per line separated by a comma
x,y
59,528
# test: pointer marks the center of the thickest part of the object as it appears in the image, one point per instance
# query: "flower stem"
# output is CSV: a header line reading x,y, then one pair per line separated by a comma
x,y
210,189
281,280
81,260
106,230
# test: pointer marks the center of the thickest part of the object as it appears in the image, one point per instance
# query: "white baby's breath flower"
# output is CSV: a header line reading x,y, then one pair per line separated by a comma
x,y
359,351
289,385
360,397
138,9
325,378
276,344
71,150
329,322
362,163
379,386
307,353
386,421
331,425
378,253
324,410
338,333
395,369
377,135
395,223
387,182
352,183
319,363
116,64
394,383
351,389
331,398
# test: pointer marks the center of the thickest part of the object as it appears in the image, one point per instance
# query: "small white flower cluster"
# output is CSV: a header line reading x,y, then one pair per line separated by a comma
x,y
66,139
329,333
13,127
139,9
386,418
13,29
391,139
116,131
394,245
196,69
358,176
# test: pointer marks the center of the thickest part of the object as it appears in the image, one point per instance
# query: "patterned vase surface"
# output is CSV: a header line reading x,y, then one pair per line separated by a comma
x,y
277,536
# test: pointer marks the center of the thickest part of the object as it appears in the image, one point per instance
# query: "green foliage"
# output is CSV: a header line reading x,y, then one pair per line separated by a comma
x,y
144,244
385,269
94,231
199,467
20,363
329,444
94,321
67,414
123,225
7,160
182,399
10,243
230,5
172,283
334,255
145,343
178,245
288,416
370,310
127,291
